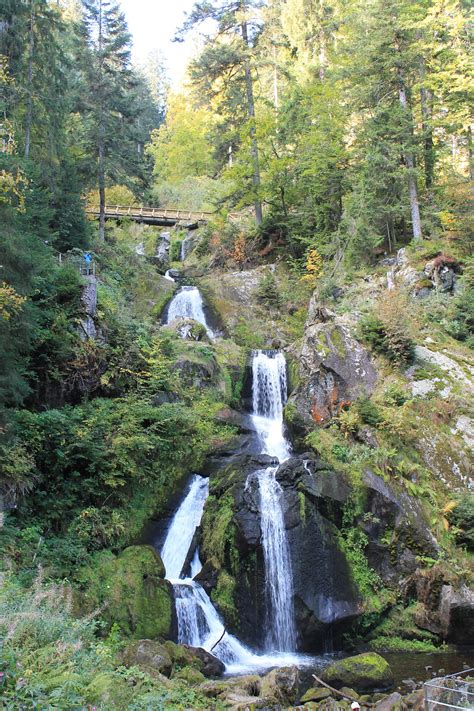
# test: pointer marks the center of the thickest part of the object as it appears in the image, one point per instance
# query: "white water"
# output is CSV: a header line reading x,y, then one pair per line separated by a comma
x,y
187,303
269,397
168,275
199,623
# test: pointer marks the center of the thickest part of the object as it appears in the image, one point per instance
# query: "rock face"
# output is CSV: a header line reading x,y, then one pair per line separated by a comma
x,y
313,496
325,594
446,605
401,514
131,590
333,368
364,673
89,300
162,254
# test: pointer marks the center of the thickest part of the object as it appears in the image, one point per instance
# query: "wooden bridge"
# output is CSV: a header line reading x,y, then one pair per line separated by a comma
x,y
153,215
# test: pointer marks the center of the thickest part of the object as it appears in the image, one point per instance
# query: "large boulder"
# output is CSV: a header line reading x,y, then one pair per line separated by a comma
x,y
150,654
130,591
281,684
332,369
363,672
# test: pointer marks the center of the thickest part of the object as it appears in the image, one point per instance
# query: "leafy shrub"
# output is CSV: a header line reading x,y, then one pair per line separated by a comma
x,y
267,292
395,395
392,342
462,517
175,250
368,412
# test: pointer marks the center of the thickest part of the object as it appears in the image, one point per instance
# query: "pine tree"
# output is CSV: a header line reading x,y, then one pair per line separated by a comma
x,y
230,56
107,68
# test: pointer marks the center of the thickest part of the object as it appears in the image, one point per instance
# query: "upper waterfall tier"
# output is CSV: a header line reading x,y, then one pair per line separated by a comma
x,y
187,303
269,392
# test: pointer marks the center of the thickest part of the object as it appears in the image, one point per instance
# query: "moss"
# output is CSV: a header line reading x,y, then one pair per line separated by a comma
x,y
223,596
190,675
107,688
302,500
364,672
130,590
398,644
218,531
338,342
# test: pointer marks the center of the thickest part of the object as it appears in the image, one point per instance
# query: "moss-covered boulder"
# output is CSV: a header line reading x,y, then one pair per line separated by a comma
x,y
149,654
130,590
364,672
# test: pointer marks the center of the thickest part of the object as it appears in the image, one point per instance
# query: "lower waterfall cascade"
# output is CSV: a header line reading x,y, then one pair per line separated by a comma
x,y
199,623
188,303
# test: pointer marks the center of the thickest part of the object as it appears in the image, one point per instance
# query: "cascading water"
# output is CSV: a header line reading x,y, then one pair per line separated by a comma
x,y
199,623
269,396
187,303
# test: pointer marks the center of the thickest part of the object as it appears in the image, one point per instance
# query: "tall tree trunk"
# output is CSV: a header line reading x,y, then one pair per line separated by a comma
x,y
253,135
101,132
29,101
276,100
410,164
101,180
426,101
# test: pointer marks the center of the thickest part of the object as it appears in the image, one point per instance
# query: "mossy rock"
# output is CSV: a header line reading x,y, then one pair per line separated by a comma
x,y
190,675
149,654
131,591
364,672
315,694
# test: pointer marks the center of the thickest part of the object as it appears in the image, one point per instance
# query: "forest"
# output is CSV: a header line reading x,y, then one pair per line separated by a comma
x,y
236,446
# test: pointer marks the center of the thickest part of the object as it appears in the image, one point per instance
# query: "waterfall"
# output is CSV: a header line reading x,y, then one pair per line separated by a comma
x,y
199,623
269,396
268,399
168,276
187,303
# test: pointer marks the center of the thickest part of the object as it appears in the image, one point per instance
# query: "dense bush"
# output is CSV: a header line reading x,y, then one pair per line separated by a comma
x,y
462,517
392,342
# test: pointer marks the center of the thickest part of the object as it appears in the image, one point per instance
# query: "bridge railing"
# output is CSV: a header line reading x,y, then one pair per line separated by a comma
x,y
159,213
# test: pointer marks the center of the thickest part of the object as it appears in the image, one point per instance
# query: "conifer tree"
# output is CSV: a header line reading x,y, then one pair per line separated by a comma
x,y
108,73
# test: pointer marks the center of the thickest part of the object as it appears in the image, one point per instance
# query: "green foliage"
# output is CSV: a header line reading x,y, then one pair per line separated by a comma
x,y
368,412
390,342
51,659
246,337
268,292
175,250
462,518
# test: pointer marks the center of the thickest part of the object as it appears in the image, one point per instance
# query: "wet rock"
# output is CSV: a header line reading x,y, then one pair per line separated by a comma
x,y
364,672
209,665
188,329
394,702
456,614
333,368
442,271
403,514
162,397
281,684
415,700
197,373
149,654
315,694
241,421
